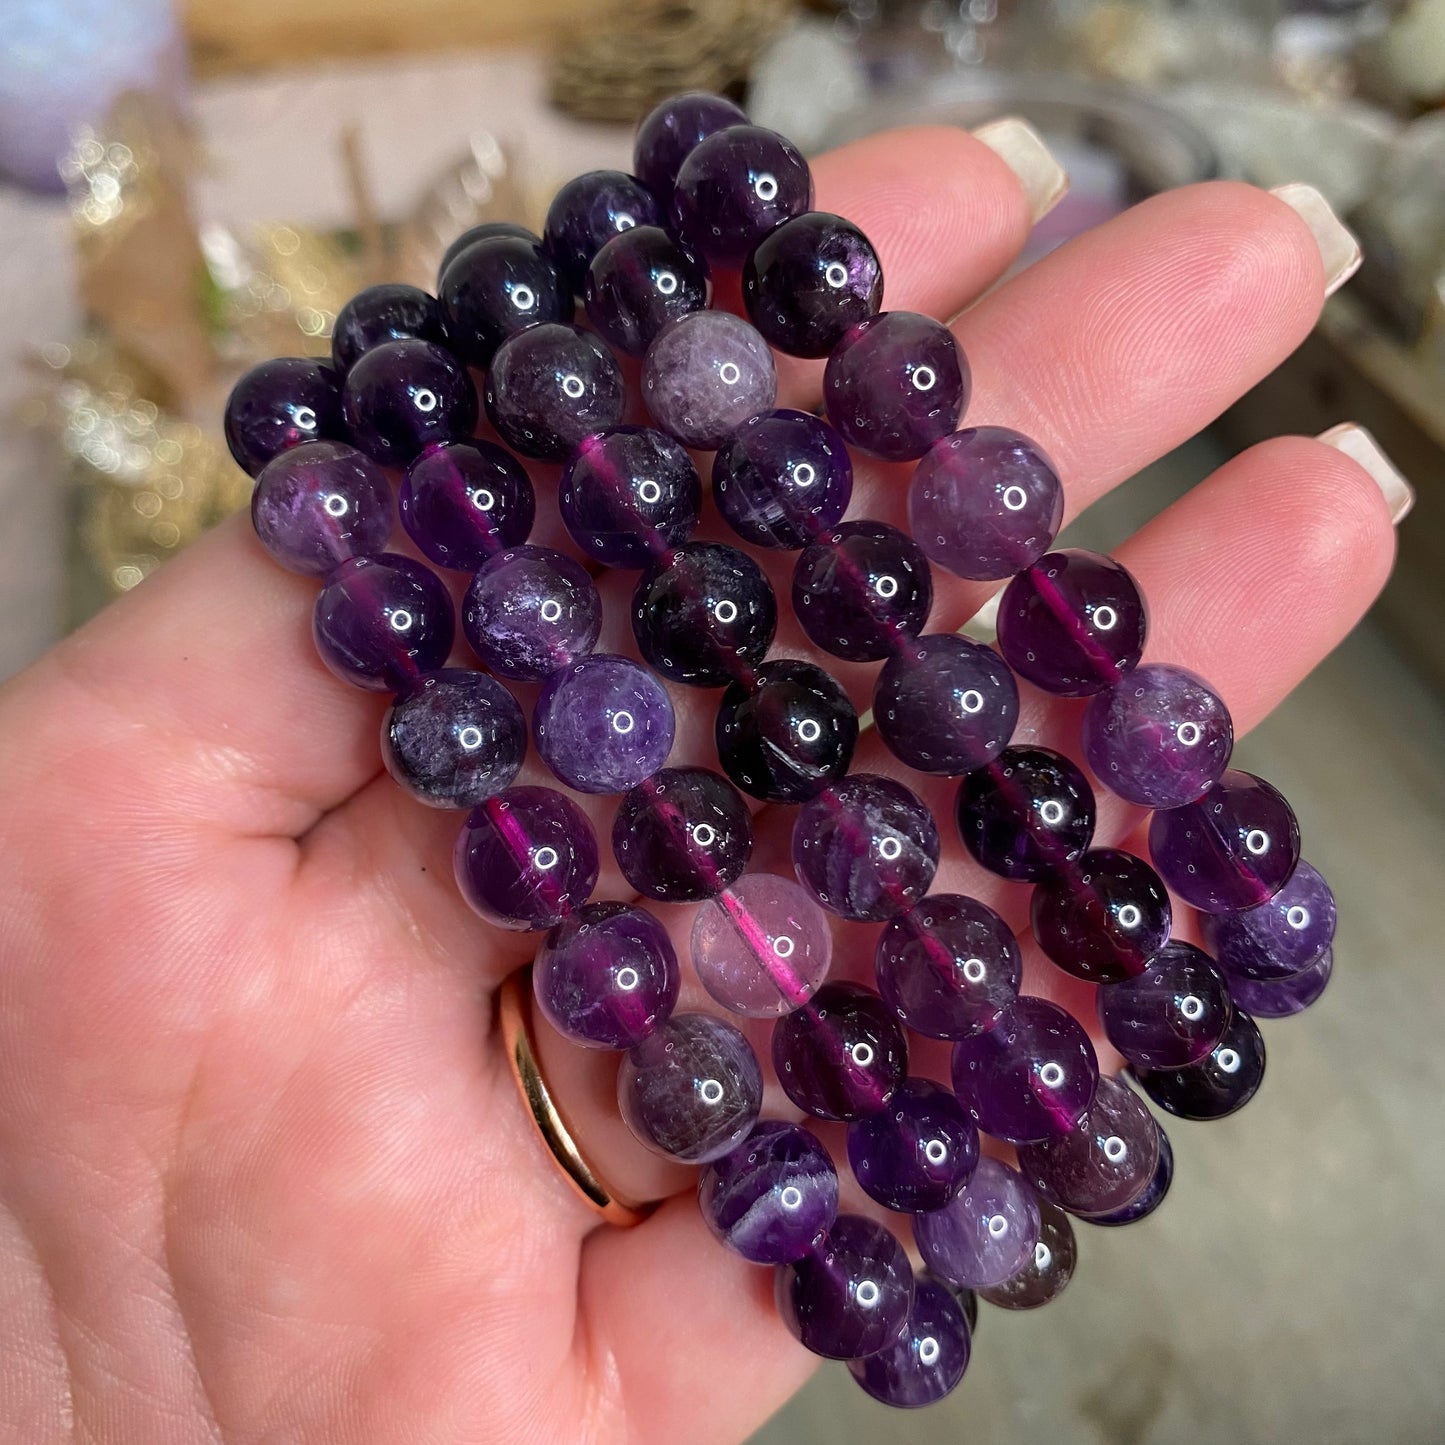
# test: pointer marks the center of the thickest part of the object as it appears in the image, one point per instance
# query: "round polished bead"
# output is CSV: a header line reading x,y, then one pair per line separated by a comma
x,y
381,621
788,734
895,384
629,495
1280,998
866,848
682,835
842,1054
671,129
967,1302
1223,1081
483,232
772,1196
587,213
1235,847
917,1153
949,966
1047,1271
281,404
1172,1014
319,503
638,283
692,1089
549,387
464,503
526,858
391,312
530,611
1027,814
706,616
705,375
986,1233
404,396
927,1361
603,724
762,947
1277,939
607,976
495,287
1151,1198
454,738
1031,1076
945,704
862,590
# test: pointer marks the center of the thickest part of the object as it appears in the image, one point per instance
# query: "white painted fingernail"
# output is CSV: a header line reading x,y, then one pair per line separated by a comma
x,y
1022,150
1338,246
1361,447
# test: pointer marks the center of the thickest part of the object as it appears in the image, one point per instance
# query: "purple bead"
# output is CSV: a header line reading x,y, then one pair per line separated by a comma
x,y
530,611
1073,623
549,387
986,1233
629,495
671,130
706,616
1233,848
809,280
1027,814
985,503
842,1054
281,404
587,213
1172,1014
772,1197
317,504
496,287
692,1089
949,966
1282,997
404,396
454,738
705,375
483,232
384,313
946,705
850,1295
380,622
638,283
603,724
1031,1076
866,848
1278,939
787,735
526,858
1224,1081
1047,1271
464,503
682,835
1159,737
928,1359
895,384
862,590
607,976
916,1154
1153,1195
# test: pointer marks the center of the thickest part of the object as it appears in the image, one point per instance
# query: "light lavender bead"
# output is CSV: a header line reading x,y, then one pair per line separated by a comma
x,y
705,375
985,1233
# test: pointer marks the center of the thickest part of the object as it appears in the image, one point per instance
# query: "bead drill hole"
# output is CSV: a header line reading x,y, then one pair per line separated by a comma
x,y
1043,1256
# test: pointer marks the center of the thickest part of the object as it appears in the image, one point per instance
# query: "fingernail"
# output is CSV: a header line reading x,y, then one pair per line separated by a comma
x,y
1338,247
1022,150
1361,447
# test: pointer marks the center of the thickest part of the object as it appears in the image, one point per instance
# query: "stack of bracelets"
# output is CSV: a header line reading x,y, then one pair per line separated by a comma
x,y
714,195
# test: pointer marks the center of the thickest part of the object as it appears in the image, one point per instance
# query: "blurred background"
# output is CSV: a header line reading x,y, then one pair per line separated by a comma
x,y
189,187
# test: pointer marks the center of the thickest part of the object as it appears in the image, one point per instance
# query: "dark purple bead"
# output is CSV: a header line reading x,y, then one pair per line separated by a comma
x,y
706,616
866,848
638,283
705,375
1027,814
1031,1076
986,1233
1172,1014
672,129
917,1153
1282,997
985,503
526,858
842,1054
1073,623
1153,1195
946,705
949,966
862,590
1046,1273
484,232
928,1359
454,738
967,1302
1275,940
404,396
629,495
281,404
380,622
603,724
682,835
607,976
496,287
464,503
787,735
772,1197
1233,848
391,312
587,213
530,611
549,387
1220,1083
692,1089
318,504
